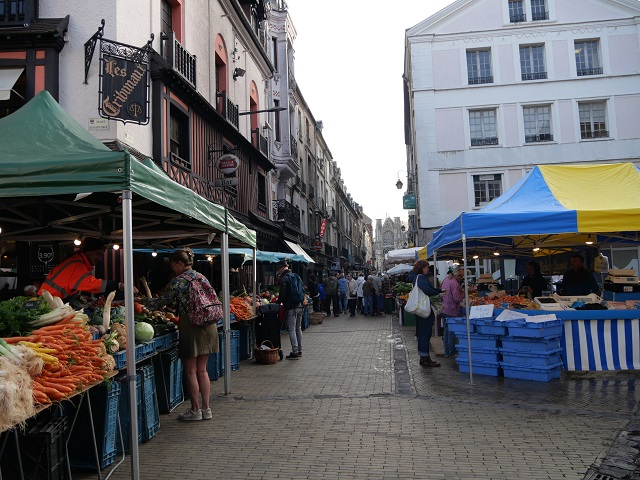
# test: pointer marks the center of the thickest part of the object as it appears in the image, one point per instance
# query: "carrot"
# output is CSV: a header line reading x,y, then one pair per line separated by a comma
x,y
13,340
57,386
54,394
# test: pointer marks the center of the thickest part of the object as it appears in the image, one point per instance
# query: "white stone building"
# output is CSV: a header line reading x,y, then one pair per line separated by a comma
x,y
495,87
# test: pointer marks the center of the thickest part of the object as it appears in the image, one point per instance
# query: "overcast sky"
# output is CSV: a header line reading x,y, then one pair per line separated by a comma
x,y
349,64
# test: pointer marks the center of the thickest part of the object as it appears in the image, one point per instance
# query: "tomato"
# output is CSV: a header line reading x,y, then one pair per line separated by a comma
x,y
137,307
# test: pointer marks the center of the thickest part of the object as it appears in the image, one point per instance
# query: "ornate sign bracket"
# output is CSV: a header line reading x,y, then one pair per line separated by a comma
x,y
90,47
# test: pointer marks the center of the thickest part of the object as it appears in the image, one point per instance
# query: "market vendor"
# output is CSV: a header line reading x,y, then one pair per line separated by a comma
x,y
75,274
578,280
534,283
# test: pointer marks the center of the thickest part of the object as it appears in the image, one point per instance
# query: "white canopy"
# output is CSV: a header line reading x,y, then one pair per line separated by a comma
x,y
398,269
403,255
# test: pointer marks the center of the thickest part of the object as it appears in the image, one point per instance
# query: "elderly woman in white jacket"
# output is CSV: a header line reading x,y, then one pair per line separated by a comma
x,y
360,281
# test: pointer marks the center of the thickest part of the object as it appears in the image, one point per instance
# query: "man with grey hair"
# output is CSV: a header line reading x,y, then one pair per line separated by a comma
x,y
451,307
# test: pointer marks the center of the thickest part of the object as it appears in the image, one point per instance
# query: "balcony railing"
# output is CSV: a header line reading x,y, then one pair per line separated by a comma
x,y
481,142
480,80
284,211
534,76
303,188
587,134
518,17
17,12
583,72
182,61
264,145
541,137
294,147
537,16
312,192
232,113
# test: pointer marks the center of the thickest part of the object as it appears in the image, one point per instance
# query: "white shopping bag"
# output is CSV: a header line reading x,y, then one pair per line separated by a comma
x,y
418,302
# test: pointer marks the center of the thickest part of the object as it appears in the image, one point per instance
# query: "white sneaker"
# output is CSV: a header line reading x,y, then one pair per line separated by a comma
x,y
191,416
206,414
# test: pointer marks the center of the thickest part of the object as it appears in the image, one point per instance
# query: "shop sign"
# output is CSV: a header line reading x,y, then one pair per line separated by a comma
x,y
409,202
317,245
228,163
43,258
323,227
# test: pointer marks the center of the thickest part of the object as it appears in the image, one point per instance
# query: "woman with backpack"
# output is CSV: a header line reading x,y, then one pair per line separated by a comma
x,y
196,342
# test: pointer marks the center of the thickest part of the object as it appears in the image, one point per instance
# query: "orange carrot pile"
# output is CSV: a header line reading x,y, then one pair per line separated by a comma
x,y
241,308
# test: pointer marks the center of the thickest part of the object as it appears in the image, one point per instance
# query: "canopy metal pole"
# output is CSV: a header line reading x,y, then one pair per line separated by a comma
x,y
435,270
467,306
255,280
132,377
226,311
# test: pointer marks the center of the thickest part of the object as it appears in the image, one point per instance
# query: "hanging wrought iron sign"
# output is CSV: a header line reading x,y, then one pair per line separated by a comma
x,y
124,78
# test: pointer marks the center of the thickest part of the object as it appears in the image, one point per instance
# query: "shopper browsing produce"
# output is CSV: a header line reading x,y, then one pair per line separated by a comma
x,y
451,307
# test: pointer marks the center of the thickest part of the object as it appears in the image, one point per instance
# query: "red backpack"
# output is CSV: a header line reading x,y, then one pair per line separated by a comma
x,y
204,307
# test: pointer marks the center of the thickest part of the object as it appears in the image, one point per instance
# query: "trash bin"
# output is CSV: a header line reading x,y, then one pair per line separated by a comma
x,y
389,305
268,325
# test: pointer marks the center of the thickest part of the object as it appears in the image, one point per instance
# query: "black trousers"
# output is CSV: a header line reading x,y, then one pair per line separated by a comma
x,y
329,299
352,305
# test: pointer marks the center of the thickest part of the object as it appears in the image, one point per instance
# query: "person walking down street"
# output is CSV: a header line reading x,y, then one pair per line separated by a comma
x,y
314,293
331,295
451,308
360,304
342,293
419,276
292,307
369,296
352,293
195,343
378,301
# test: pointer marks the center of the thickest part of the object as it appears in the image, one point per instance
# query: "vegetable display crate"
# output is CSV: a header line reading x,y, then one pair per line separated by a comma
x,y
538,345
168,372
150,413
480,368
144,350
105,407
522,328
245,331
477,340
42,450
162,342
120,359
125,413
537,374
173,337
214,366
484,355
459,325
531,359
489,326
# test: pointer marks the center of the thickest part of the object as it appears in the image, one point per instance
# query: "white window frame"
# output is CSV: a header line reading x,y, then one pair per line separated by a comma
x,y
607,119
524,11
491,78
542,75
546,9
496,124
528,10
590,66
472,190
551,123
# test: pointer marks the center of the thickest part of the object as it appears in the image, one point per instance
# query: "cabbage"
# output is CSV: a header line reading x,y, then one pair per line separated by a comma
x,y
144,332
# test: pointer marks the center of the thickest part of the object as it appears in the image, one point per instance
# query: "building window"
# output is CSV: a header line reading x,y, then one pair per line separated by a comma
x,y
532,62
593,121
262,192
179,137
479,66
516,11
537,124
486,188
539,10
276,104
587,58
482,125
274,52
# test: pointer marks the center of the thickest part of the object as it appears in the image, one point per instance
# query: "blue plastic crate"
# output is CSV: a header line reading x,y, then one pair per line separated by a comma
x,y
168,377
144,350
176,388
150,414
221,352
480,368
459,325
531,359
245,330
125,413
214,366
162,342
477,340
120,359
489,326
537,374
235,350
485,355
523,344
173,337
522,328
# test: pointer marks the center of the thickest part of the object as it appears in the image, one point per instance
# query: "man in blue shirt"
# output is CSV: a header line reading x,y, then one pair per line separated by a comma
x,y
342,292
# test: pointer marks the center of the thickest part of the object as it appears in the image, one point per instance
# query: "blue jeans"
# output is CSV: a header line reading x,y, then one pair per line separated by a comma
x,y
425,327
368,305
343,302
294,322
381,303
449,339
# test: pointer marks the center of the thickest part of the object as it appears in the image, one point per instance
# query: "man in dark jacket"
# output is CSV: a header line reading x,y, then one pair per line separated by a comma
x,y
293,312
331,295
578,280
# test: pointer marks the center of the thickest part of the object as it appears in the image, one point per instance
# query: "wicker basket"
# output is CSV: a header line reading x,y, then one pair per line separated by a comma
x,y
266,357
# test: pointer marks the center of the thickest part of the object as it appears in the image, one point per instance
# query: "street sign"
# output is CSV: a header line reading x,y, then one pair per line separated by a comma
x,y
227,182
228,163
409,202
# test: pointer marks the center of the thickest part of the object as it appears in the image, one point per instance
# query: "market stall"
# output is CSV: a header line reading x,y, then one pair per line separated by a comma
x,y
553,208
57,181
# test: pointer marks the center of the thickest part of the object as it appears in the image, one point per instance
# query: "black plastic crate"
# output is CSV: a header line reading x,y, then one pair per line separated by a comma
x,y
42,450
104,407
245,330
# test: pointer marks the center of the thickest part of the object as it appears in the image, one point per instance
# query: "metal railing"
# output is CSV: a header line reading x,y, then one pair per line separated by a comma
x,y
231,113
586,134
284,211
303,188
541,137
294,147
534,76
537,16
480,80
481,142
518,17
264,145
182,61
583,72
312,192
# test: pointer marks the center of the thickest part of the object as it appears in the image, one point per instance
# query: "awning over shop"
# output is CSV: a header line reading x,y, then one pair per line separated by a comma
x,y
298,250
8,78
553,205
47,153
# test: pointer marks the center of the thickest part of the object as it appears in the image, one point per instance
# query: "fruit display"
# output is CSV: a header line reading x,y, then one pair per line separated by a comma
x,y
514,302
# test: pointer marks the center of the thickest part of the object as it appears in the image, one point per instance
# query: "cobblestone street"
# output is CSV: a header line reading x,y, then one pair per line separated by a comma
x,y
348,410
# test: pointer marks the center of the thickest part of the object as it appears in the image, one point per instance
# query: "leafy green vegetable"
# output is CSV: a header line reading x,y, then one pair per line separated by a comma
x,y
15,316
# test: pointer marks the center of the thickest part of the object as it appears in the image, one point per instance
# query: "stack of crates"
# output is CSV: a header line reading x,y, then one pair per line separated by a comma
x,y
150,413
532,350
245,331
168,371
484,345
125,414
